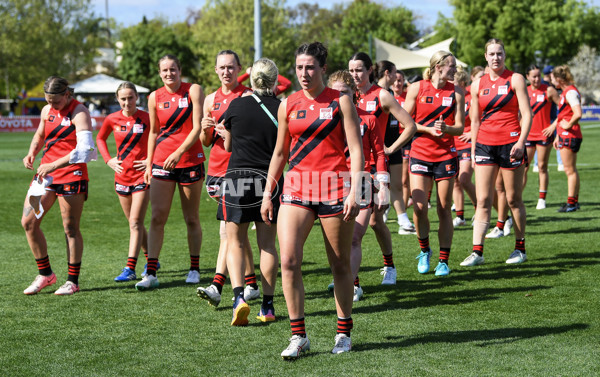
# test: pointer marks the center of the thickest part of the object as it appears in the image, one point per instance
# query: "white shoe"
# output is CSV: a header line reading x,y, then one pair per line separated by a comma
x,y
148,282
458,222
453,208
358,293
385,215
251,293
67,289
495,233
40,282
516,257
210,294
541,204
193,277
297,345
536,169
472,260
407,229
389,275
343,343
561,167
508,225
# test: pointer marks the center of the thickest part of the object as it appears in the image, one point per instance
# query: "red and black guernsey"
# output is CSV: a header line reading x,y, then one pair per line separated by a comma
x,y
131,137
174,111
59,140
540,108
219,157
459,144
431,103
318,142
499,110
372,143
566,112
371,103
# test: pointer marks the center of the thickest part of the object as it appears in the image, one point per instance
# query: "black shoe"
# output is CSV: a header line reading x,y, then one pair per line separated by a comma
x,y
568,207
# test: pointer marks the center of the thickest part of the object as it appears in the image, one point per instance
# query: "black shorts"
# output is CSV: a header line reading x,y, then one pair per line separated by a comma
x,y
437,170
497,155
544,143
183,176
572,143
242,198
464,154
71,188
213,186
321,209
126,190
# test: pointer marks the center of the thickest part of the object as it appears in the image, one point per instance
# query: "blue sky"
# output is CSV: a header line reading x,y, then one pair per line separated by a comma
x,y
130,12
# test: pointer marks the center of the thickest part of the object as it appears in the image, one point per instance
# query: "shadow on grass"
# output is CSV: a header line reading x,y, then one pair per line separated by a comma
x,y
482,338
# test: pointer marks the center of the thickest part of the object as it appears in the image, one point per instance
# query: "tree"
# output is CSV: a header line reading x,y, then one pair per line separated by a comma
x,y
585,67
548,31
229,24
145,43
42,38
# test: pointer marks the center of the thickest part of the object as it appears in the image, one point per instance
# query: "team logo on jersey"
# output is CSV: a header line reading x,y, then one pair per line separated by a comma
x,y
138,128
217,106
503,89
426,100
66,122
449,167
193,174
67,188
485,92
300,114
540,98
183,102
371,105
446,101
326,113
164,105
123,128
51,118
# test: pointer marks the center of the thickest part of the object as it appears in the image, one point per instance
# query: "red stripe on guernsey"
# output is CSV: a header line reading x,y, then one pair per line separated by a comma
x,y
59,140
499,110
540,106
566,112
219,157
432,103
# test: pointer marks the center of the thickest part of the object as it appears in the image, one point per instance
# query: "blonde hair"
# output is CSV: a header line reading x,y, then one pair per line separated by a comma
x,y
494,41
345,77
461,76
476,70
126,85
439,58
264,77
563,72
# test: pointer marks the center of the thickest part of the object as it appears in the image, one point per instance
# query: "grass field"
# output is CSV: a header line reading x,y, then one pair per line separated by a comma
x,y
535,319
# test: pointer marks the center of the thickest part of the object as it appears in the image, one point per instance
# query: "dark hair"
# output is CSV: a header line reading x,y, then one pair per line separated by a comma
x,y
56,85
401,74
315,49
229,52
381,67
367,62
170,57
126,85
531,68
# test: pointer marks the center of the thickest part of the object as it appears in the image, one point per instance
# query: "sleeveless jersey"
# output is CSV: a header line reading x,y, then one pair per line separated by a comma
x,y
372,144
131,137
430,104
59,140
565,112
540,108
317,146
499,110
459,144
393,129
174,111
219,157
371,103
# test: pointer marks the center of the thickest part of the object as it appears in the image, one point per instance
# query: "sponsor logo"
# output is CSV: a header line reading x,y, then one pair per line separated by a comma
x,y
503,89
160,172
78,173
540,98
200,155
326,113
447,101
138,128
67,188
449,167
193,174
183,102
141,186
122,188
481,158
419,167
66,122
371,106
514,134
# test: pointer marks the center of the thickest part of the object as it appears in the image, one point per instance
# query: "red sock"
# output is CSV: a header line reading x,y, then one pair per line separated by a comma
x,y
543,195
444,254
298,327
460,214
500,225
520,245
251,280
388,260
146,255
151,268
74,272
43,265
478,249
194,262
357,281
344,325
131,263
219,281
424,244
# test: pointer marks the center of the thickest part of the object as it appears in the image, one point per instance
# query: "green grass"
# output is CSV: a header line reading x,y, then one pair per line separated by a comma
x,y
535,319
